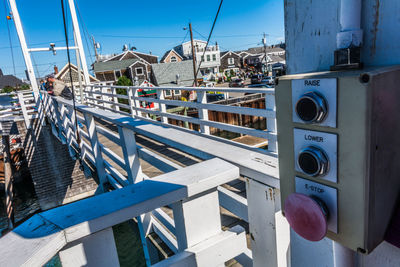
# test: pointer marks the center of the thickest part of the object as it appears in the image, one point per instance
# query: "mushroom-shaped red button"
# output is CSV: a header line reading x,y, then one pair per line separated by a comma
x,y
306,216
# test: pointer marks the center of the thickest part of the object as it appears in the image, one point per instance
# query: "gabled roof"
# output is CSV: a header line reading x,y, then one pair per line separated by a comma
x,y
128,55
62,74
276,58
222,54
10,80
165,73
114,64
167,54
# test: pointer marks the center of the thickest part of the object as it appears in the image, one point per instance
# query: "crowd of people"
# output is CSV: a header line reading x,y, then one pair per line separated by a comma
x,y
55,87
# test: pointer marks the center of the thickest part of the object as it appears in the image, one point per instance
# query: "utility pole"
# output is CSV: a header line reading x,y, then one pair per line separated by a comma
x,y
264,41
95,48
193,54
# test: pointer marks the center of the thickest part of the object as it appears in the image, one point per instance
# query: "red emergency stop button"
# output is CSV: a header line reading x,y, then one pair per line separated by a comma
x,y
307,216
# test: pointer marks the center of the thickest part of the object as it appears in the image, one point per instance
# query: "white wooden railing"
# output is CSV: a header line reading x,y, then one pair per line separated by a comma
x,y
123,171
106,97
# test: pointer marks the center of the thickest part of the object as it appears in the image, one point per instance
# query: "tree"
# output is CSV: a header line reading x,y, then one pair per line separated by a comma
x,y
124,81
7,89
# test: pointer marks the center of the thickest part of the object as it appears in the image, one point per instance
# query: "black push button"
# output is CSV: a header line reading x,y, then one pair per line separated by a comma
x,y
311,107
313,161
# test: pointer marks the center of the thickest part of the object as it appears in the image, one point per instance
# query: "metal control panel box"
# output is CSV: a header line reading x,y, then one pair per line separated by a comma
x,y
339,153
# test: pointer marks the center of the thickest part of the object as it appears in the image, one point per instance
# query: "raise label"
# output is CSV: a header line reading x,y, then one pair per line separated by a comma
x,y
312,82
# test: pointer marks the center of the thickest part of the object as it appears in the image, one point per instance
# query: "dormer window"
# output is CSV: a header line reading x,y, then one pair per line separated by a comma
x,y
173,59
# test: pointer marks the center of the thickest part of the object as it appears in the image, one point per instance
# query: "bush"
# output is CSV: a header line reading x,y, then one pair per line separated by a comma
x,y
124,81
7,89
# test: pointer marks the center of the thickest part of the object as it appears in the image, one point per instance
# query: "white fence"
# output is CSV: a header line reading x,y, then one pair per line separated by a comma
x,y
124,171
106,97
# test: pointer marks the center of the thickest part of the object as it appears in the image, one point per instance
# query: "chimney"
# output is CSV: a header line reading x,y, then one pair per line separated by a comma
x,y
55,69
1,73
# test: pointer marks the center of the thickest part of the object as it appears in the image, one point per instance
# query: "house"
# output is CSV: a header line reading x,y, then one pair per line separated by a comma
x,y
171,56
230,61
243,55
276,51
209,57
173,74
63,75
9,80
134,65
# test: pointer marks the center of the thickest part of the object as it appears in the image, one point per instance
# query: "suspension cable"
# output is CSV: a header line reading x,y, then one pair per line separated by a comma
x,y
78,139
208,40
9,36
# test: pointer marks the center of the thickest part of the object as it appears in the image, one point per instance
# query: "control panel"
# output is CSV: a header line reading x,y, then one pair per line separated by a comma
x,y
338,137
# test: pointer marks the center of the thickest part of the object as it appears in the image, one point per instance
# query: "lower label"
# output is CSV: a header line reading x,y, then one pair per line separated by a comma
x,y
326,193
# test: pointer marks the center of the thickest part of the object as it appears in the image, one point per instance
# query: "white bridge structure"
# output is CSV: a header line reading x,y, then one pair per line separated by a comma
x,y
81,232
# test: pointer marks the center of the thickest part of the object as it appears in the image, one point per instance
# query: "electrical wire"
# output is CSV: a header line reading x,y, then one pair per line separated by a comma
x,y
78,139
208,39
9,36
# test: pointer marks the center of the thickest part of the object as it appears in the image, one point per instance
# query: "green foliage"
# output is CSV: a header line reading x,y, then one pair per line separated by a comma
x,y
25,87
233,73
124,81
7,89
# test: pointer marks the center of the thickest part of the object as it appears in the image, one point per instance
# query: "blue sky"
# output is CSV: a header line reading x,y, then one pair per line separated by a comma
x,y
152,25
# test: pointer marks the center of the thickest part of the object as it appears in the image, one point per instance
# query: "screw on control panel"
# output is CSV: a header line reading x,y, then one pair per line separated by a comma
x,y
311,107
364,78
313,161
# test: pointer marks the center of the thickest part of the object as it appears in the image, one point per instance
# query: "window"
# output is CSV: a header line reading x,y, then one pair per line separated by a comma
x,y
208,58
173,59
118,73
214,57
231,61
177,92
139,71
202,58
167,92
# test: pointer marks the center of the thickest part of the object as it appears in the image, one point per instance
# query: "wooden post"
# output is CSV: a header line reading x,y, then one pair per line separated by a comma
x,y
203,113
163,107
8,181
131,156
115,99
193,55
271,122
95,144
197,219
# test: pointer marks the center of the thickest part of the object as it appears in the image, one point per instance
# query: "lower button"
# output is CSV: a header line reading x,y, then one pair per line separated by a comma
x,y
307,216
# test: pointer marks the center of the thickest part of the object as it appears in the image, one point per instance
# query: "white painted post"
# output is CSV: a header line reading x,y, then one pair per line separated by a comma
x,y
162,107
133,103
24,111
271,122
79,43
58,121
97,250
196,219
263,204
203,113
131,156
24,47
95,144
115,99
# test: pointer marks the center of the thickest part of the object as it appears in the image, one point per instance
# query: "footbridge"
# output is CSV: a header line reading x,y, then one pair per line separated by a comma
x,y
210,200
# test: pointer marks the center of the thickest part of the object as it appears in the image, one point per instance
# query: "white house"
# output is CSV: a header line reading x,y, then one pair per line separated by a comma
x,y
210,59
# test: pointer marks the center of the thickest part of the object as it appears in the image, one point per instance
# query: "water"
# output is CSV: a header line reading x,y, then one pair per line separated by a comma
x,y
6,101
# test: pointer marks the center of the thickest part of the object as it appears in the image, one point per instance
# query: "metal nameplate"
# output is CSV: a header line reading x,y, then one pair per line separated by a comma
x,y
327,194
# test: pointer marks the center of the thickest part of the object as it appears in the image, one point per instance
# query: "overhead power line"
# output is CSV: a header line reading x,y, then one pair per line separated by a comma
x,y
209,36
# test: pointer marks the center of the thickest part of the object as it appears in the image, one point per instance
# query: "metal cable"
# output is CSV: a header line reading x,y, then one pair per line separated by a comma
x,y
9,37
78,139
208,40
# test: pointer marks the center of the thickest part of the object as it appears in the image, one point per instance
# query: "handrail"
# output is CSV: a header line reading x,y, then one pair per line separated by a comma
x,y
105,97
36,241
